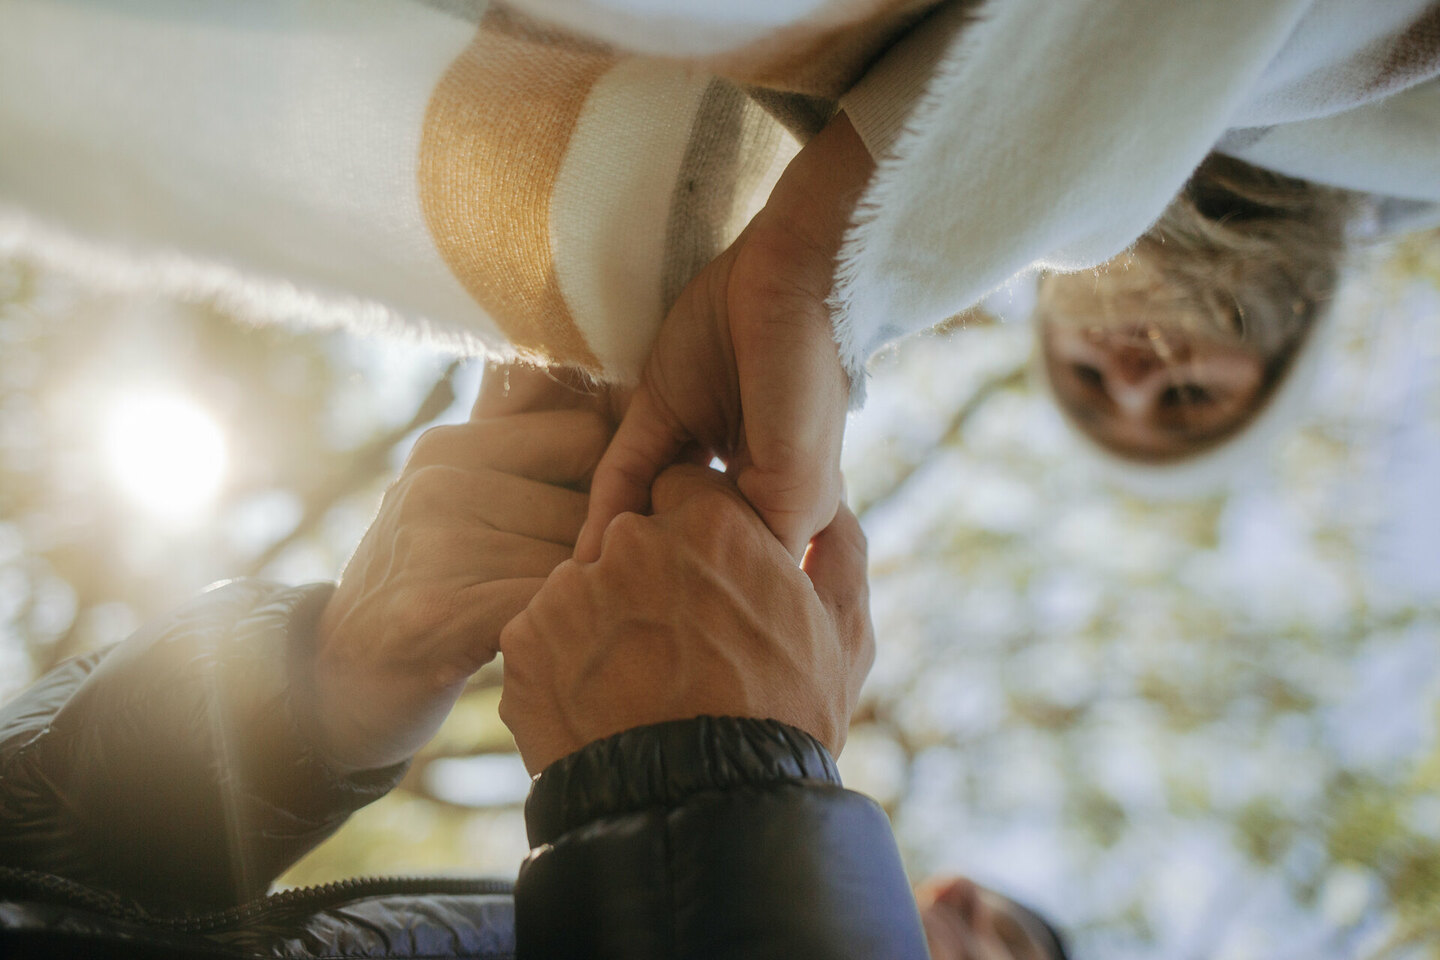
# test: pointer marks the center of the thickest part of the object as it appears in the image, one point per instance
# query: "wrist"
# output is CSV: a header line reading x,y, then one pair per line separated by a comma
x,y
312,702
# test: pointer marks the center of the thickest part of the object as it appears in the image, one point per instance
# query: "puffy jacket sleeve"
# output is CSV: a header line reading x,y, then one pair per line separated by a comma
x,y
172,767
709,838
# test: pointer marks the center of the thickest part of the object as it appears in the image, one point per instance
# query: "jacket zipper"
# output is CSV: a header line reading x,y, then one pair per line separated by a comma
x,y
22,883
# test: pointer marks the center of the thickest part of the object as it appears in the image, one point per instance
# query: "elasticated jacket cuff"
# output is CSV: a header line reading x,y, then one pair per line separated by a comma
x,y
664,764
714,838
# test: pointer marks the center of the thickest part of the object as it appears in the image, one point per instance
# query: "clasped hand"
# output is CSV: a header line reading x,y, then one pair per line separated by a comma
x,y
698,608
694,610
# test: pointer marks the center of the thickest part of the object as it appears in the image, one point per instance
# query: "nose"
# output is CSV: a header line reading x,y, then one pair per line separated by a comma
x,y
1132,362
1134,376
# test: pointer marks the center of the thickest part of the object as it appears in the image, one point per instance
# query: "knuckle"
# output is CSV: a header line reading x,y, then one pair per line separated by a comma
x,y
787,506
782,261
789,473
555,599
443,677
625,534
522,649
512,641
433,446
566,576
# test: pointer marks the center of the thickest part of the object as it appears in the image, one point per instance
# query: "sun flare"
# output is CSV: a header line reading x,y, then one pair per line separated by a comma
x,y
166,455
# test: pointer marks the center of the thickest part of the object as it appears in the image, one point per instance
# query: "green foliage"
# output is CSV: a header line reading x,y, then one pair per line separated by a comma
x,y
1263,831
1153,674
1072,684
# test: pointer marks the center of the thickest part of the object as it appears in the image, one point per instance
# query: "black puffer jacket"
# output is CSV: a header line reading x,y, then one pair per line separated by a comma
x,y
151,793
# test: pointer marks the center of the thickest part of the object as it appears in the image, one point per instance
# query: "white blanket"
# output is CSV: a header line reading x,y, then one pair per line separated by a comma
x,y
1050,136
283,154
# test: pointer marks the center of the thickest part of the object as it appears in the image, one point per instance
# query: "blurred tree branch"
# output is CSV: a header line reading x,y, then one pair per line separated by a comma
x,y
1008,380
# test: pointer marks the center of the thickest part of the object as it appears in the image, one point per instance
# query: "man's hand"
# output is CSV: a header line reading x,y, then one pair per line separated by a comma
x,y
745,366
482,513
694,611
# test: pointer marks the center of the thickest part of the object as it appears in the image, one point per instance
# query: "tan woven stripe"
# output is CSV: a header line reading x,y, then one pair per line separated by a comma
x,y
496,130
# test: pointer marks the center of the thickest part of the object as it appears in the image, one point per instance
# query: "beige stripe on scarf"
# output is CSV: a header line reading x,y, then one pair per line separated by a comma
x,y
495,134
733,158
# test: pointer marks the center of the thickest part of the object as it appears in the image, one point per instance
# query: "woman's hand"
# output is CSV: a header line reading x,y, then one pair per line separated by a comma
x,y
745,367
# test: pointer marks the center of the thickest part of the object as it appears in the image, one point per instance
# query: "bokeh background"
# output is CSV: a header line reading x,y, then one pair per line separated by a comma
x,y
1201,729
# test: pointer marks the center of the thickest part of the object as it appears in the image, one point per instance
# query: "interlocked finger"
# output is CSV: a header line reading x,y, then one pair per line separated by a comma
x,y
436,495
556,446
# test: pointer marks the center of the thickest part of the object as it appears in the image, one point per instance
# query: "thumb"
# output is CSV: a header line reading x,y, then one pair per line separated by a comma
x,y
836,562
794,394
648,439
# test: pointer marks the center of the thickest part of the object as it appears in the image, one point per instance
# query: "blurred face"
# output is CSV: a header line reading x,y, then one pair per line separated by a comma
x,y
965,921
1149,379
1152,394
